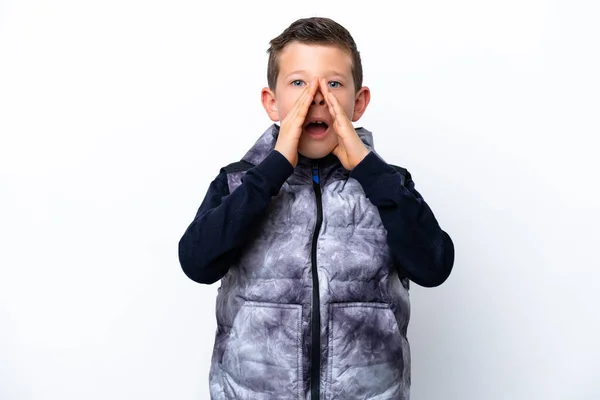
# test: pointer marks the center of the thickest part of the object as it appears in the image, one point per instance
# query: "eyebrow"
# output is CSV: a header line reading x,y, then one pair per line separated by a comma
x,y
330,72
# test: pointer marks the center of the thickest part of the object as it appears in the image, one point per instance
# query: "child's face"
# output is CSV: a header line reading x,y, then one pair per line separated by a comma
x,y
299,64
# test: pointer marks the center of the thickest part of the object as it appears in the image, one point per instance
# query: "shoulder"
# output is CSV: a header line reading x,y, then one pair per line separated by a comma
x,y
402,171
231,175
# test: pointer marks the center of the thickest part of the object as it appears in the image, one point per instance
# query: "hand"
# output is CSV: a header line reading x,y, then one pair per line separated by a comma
x,y
350,149
291,126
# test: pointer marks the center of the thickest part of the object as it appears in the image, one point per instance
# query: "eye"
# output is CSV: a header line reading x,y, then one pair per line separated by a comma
x,y
334,84
297,82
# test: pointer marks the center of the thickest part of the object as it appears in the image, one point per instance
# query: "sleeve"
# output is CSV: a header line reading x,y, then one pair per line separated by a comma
x,y
225,221
421,250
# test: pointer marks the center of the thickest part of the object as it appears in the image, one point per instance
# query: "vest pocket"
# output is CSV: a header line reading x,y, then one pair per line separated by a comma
x,y
263,354
365,352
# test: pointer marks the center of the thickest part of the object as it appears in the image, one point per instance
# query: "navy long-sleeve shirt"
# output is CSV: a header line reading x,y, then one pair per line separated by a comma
x,y
421,250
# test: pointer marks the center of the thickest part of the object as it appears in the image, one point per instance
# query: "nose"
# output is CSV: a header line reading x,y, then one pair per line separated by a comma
x,y
318,99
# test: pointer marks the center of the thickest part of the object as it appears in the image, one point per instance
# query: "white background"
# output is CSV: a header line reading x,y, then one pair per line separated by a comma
x,y
116,115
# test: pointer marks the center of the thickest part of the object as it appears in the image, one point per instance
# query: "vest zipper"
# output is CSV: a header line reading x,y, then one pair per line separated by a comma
x,y
315,372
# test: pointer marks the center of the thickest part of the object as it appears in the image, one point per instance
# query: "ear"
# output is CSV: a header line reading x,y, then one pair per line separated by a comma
x,y
268,102
363,97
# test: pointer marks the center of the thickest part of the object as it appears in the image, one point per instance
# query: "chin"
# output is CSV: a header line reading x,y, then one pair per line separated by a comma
x,y
315,152
316,149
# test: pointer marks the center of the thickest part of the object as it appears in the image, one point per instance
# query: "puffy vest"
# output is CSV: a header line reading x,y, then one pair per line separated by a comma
x,y
314,307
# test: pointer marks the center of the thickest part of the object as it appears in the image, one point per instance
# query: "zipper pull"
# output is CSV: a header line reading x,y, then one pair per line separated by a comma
x,y
315,172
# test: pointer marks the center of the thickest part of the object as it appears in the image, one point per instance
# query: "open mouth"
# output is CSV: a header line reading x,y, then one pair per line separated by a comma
x,y
316,128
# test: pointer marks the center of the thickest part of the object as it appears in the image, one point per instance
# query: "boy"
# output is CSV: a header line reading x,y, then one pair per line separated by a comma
x,y
314,238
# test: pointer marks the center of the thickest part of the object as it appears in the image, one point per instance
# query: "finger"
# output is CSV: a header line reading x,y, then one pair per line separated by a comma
x,y
340,114
292,115
303,106
335,106
302,98
324,88
326,92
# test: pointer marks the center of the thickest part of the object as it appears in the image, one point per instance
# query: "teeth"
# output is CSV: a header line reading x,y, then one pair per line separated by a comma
x,y
317,122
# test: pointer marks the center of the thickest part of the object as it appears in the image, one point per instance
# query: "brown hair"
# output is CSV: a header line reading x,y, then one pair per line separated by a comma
x,y
315,30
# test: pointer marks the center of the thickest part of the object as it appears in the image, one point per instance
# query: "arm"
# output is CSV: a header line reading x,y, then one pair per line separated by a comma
x,y
224,221
420,248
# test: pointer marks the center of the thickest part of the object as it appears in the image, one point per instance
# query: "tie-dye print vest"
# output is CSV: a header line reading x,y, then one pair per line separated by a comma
x,y
318,263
